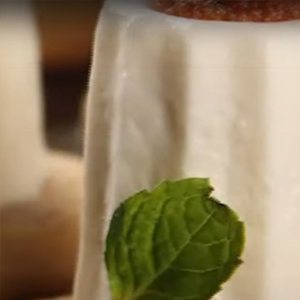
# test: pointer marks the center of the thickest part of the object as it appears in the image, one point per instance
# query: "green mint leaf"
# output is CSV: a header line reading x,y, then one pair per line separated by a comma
x,y
173,243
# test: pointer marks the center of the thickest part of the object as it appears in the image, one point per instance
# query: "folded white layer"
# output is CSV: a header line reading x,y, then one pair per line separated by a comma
x,y
21,139
171,98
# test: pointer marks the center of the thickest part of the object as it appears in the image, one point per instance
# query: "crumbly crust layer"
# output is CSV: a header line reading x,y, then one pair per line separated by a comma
x,y
231,10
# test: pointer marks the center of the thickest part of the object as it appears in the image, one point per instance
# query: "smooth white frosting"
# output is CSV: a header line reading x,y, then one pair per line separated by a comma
x,y
21,130
171,97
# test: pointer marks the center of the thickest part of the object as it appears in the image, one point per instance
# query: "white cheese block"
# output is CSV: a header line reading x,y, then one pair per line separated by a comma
x,y
21,130
170,98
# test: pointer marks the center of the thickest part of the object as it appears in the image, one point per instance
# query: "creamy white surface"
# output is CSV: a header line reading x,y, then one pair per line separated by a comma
x,y
171,97
21,129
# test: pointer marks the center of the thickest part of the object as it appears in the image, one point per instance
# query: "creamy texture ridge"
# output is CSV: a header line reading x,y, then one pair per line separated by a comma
x,y
231,10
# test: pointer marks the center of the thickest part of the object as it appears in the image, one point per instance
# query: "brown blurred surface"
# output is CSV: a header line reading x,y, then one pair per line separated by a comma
x,y
67,29
39,237
66,32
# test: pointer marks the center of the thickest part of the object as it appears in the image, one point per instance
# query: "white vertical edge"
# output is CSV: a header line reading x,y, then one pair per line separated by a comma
x,y
100,141
132,133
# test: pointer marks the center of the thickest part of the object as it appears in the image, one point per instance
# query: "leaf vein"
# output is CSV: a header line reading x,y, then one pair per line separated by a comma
x,y
142,288
196,270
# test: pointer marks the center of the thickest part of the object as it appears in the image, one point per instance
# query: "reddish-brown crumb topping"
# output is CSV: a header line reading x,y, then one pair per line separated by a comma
x,y
231,10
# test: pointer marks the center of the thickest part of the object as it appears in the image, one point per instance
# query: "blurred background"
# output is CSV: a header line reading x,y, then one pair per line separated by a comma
x,y
66,32
39,237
